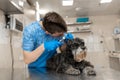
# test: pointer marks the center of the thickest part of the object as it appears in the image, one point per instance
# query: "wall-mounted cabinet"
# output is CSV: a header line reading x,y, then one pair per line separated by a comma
x,y
10,7
82,31
84,27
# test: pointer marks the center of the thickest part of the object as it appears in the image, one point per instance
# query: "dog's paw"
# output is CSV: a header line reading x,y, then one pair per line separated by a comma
x,y
72,71
89,71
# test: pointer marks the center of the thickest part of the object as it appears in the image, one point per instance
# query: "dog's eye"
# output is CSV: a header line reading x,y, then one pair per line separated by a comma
x,y
76,45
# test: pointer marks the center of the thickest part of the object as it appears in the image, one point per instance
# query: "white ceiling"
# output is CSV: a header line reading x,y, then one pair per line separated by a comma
x,y
84,7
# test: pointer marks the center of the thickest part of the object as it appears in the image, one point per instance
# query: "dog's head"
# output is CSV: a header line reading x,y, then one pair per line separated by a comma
x,y
78,49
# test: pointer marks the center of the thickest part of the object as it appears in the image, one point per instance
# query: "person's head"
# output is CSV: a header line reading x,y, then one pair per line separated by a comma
x,y
54,24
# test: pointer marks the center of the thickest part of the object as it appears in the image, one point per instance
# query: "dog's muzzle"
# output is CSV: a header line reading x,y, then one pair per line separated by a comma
x,y
79,54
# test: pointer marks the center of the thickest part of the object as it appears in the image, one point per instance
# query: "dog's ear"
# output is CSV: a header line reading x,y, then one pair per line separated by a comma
x,y
69,42
78,39
81,43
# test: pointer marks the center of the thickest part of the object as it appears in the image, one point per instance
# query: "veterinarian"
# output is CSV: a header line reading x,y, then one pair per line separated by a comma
x,y
40,41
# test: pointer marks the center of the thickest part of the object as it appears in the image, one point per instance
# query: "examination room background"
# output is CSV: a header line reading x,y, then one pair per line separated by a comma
x,y
101,27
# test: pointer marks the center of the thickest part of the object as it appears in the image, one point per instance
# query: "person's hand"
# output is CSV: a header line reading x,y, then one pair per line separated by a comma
x,y
52,45
68,36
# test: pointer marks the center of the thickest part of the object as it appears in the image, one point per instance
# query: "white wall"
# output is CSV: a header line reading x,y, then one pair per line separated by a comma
x,y
5,49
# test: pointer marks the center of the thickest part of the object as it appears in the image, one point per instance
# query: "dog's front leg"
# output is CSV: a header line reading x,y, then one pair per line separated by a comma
x,y
72,71
89,71
87,68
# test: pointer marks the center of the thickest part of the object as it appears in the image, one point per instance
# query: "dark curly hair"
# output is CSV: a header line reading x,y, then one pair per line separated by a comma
x,y
53,22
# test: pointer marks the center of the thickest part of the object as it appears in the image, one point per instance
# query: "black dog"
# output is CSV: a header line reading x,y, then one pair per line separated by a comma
x,y
67,61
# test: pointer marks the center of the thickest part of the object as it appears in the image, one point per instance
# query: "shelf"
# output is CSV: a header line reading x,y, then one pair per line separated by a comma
x,y
82,31
81,23
10,7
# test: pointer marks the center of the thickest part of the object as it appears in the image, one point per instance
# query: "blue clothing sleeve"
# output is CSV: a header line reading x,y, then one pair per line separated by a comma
x,y
28,42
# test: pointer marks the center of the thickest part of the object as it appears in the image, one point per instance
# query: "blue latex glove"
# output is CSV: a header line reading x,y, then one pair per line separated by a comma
x,y
68,36
51,46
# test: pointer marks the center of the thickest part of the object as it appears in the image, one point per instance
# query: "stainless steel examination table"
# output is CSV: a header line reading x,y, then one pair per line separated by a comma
x,y
43,74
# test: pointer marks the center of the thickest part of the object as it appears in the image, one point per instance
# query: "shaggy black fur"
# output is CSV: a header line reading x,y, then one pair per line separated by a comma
x,y
64,62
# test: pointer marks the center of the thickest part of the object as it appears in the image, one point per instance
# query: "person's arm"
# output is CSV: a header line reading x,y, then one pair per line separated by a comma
x,y
46,47
29,53
32,56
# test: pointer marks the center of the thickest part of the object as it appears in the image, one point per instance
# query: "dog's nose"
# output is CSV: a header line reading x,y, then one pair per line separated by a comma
x,y
83,47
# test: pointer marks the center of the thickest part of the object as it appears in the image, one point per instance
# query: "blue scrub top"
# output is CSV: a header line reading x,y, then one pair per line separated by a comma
x,y
33,37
